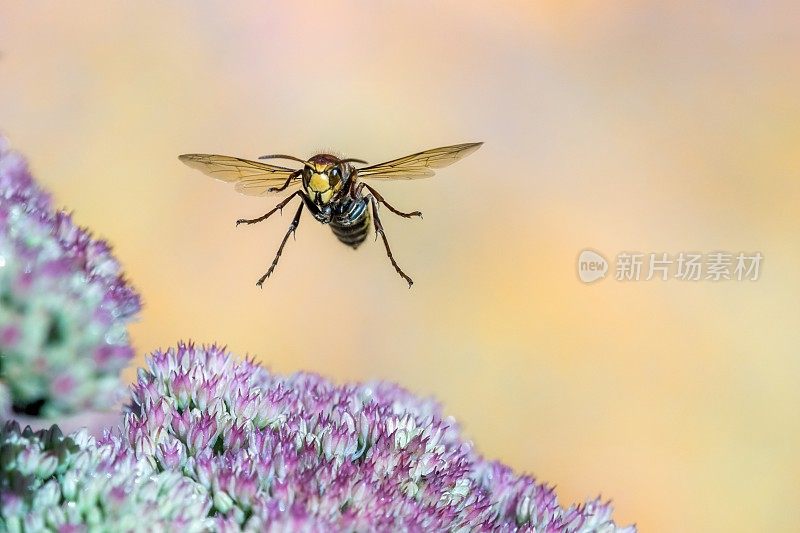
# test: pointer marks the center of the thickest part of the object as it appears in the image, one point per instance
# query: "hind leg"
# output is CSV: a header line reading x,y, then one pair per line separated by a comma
x,y
379,231
292,229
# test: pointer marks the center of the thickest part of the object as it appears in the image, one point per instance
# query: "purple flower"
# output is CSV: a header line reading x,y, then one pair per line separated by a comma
x,y
302,452
64,305
181,391
171,453
351,457
92,484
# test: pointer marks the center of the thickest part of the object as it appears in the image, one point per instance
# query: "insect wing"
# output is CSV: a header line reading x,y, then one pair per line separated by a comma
x,y
419,165
252,178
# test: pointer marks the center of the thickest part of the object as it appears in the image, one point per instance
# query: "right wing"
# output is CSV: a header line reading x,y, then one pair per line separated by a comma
x,y
251,177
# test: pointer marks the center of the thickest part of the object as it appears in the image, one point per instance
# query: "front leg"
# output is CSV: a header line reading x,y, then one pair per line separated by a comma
x,y
278,207
380,199
288,181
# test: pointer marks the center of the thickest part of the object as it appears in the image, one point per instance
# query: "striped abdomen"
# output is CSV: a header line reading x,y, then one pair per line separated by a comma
x,y
351,226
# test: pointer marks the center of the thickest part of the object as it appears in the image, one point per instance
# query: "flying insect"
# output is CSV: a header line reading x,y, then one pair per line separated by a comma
x,y
331,188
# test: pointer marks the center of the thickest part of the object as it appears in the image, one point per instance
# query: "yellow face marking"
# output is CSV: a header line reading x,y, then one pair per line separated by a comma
x,y
319,186
319,182
326,196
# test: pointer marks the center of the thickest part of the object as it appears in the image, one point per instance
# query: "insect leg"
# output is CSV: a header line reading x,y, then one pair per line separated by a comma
x,y
380,199
379,230
292,228
278,207
286,183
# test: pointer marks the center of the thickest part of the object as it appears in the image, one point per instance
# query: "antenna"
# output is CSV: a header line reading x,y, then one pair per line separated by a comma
x,y
290,157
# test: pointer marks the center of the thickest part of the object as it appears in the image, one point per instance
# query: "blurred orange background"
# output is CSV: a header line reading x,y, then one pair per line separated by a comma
x,y
617,126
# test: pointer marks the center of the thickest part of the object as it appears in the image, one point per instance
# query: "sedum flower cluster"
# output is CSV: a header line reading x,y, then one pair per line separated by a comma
x,y
212,443
73,483
64,306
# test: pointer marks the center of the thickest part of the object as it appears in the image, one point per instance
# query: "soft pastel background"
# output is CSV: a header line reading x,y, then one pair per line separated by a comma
x,y
611,125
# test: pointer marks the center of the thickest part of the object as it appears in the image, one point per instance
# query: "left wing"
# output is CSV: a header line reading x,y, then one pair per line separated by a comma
x,y
419,165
